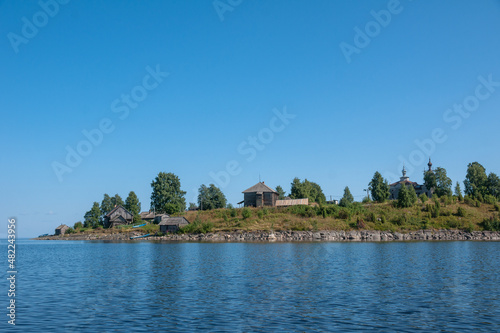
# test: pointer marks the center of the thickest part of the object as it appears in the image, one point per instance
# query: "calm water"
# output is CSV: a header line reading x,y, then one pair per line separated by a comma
x,y
102,287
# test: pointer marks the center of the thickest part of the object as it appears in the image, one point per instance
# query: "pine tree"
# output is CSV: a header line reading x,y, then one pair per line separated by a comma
x,y
133,205
379,188
347,199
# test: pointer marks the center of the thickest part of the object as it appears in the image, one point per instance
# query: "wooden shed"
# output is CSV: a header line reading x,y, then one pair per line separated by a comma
x,y
118,216
260,195
160,217
61,230
147,216
172,224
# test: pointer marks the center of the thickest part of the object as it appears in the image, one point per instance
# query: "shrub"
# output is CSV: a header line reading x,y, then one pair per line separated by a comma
x,y
78,225
489,199
383,219
497,208
468,200
260,214
491,224
423,197
478,203
433,209
70,230
360,224
246,213
233,212
343,214
461,212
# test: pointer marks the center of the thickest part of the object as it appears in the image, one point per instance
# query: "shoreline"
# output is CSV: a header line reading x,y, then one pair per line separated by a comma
x,y
298,236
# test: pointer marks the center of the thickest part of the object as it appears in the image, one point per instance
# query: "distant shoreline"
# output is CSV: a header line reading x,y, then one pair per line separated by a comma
x,y
294,236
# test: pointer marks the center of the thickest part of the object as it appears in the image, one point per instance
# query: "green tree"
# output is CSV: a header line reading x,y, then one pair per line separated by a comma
x,y
307,189
106,205
458,192
379,188
430,181
413,195
211,197
476,180
167,196
443,183
404,197
117,201
133,205
281,192
347,199
91,218
493,185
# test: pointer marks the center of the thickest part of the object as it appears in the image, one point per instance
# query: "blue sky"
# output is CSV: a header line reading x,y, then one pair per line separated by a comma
x,y
232,66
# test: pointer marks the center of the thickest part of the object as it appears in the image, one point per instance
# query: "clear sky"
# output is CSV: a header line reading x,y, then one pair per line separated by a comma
x,y
331,91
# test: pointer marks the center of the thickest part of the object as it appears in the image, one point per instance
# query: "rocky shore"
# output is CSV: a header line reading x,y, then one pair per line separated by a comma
x,y
294,236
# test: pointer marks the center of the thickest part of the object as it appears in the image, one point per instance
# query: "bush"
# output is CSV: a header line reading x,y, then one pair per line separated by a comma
x,y
343,214
70,230
468,200
491,224
461,212
78,225
478,203
489,199
423,197
233,212
246,213
433,209
383,219
360,224
497,208
260,214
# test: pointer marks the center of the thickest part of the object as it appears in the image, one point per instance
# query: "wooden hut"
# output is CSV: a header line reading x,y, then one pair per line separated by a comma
x,y
160,217
172,224
118,216
61,230
260,195
147,216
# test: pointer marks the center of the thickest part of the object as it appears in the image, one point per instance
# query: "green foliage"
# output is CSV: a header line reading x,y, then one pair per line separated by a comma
x,y
423,197
497,207
91,218
260,214
443,183
229,206
383,219
489,199
458,192
192,206
347,198
281,192
406,196
307,189
476,180
379,188
461,212
233,212
78,225
70,231
478,203
197,227
133,205
491,224
430,180
211,197
493,185
167,196
434,210
116,201
246,213
302,210
106,205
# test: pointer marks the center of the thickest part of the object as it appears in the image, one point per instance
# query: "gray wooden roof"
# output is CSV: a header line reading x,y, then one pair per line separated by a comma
x,y
259,187
174,221
115,209
62,226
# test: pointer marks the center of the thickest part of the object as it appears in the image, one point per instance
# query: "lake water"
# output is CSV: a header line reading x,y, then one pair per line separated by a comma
x,y
143,286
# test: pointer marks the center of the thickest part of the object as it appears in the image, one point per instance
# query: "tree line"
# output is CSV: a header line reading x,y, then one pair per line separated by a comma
x,y
167,196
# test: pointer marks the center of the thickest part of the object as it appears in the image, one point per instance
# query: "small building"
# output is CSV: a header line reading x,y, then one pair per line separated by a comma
x,y
260,195
160,217
118,216
147,216
419,189
172,224
332,202
61,230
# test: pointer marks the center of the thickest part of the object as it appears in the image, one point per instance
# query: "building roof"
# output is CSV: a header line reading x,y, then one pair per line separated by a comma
x,y
174,221
115,209
259,188
147,215
62,226
407,182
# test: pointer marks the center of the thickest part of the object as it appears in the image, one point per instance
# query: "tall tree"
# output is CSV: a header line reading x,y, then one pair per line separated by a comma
x,y
443,183
92,216
405,197
347,198
307,189
476,180
133,205
106,206
412,194
117,201
167,196
281,192
458,192
494,185
430,181
379,187
211,197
